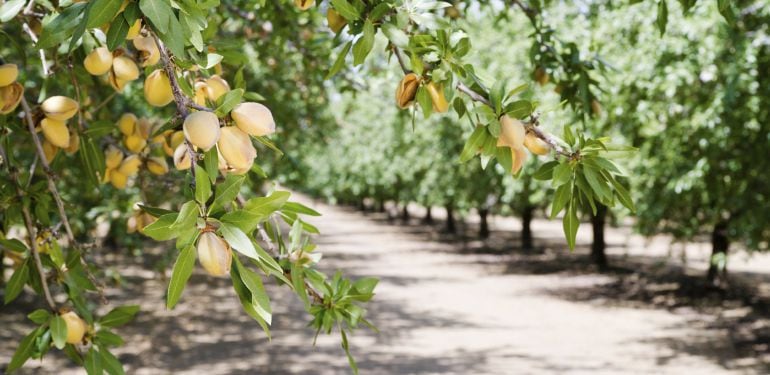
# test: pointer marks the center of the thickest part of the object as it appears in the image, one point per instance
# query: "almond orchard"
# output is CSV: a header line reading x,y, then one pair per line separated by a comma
x,y
181,121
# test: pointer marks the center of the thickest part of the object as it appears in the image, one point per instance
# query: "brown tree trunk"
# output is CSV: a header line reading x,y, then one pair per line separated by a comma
x,y
450,220
720,245
405,212
381,205
2,268
361,205
598,246
483,223
428,216
526,228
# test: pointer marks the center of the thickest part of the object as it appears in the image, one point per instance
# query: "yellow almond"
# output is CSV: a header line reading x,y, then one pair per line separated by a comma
x,y
202,129
157,165
157,89
214,254
8,74
112,157
56,132
217,87
304,4
182,157
59,108
10,97
99,61
76,327
149,52
236,148
254,119
536,145
125,69
512,133
127,123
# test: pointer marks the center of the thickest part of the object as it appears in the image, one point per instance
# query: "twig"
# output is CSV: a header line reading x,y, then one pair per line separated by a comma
x,y
31,232
182,101
461,87
400,59
81,122
104,102
32,35
56,196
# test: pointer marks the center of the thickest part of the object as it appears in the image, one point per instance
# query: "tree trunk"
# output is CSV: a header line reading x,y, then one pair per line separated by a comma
x,y
428,216
598,245
361,205
720,244
526,228
405,212
483,223
2,268
450,220
381,205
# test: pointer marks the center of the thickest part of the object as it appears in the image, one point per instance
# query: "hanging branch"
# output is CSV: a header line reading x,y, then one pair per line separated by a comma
x,y
31,232
531,125
46,166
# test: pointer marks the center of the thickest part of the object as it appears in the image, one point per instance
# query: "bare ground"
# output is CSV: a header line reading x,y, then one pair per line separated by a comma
x,y
456,305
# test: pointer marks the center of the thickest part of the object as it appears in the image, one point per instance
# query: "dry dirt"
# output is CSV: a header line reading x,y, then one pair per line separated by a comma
x,y
455,305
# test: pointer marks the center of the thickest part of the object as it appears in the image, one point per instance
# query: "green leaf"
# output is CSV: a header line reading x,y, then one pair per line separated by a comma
x,y
105,337
110,363
346,10
396,36
560,199
662,18
61,27
545,172
182,270
39,316
16,283
202,185
474,143
300,208
340,61
247,302
260,299
160,230
188,216
228,101
423,98
119,316
597,183
346,347
238,240
24,351
623,195
265,206
227,191
211,163
571,223
159,12
116,35
366,285
13,244
155,211
562,174
10,9
246,220
59,331
364,45
102,12
93,362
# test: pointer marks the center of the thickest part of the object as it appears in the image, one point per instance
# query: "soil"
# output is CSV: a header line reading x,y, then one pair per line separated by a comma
x,y
452,304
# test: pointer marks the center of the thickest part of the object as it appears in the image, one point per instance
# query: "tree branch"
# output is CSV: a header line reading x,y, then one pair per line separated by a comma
x,y
181,100
31,232
46,166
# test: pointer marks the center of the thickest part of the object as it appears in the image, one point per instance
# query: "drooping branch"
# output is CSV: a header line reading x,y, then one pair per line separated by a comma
x,y
46,166
180,99
531,125
31,231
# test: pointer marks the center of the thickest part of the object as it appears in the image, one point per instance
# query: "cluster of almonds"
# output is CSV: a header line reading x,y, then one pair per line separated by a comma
x,y
138,141
10,90
57,110
407,90
235,150
513,134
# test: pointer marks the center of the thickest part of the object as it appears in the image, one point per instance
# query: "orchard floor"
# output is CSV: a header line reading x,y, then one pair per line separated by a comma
x,y
456,305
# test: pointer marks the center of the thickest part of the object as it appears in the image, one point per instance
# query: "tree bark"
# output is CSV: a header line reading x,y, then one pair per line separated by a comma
x,y
720,245
598,246
483,223
450,220
361,205
526,228
405,212
428,216
381,205
2,268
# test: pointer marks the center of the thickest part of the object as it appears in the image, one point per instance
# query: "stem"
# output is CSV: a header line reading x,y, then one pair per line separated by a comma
x,y
32,36
31,232
182,101
56,196
400,59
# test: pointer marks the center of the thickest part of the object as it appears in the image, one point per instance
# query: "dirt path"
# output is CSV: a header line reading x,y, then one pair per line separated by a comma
x,y
441,310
